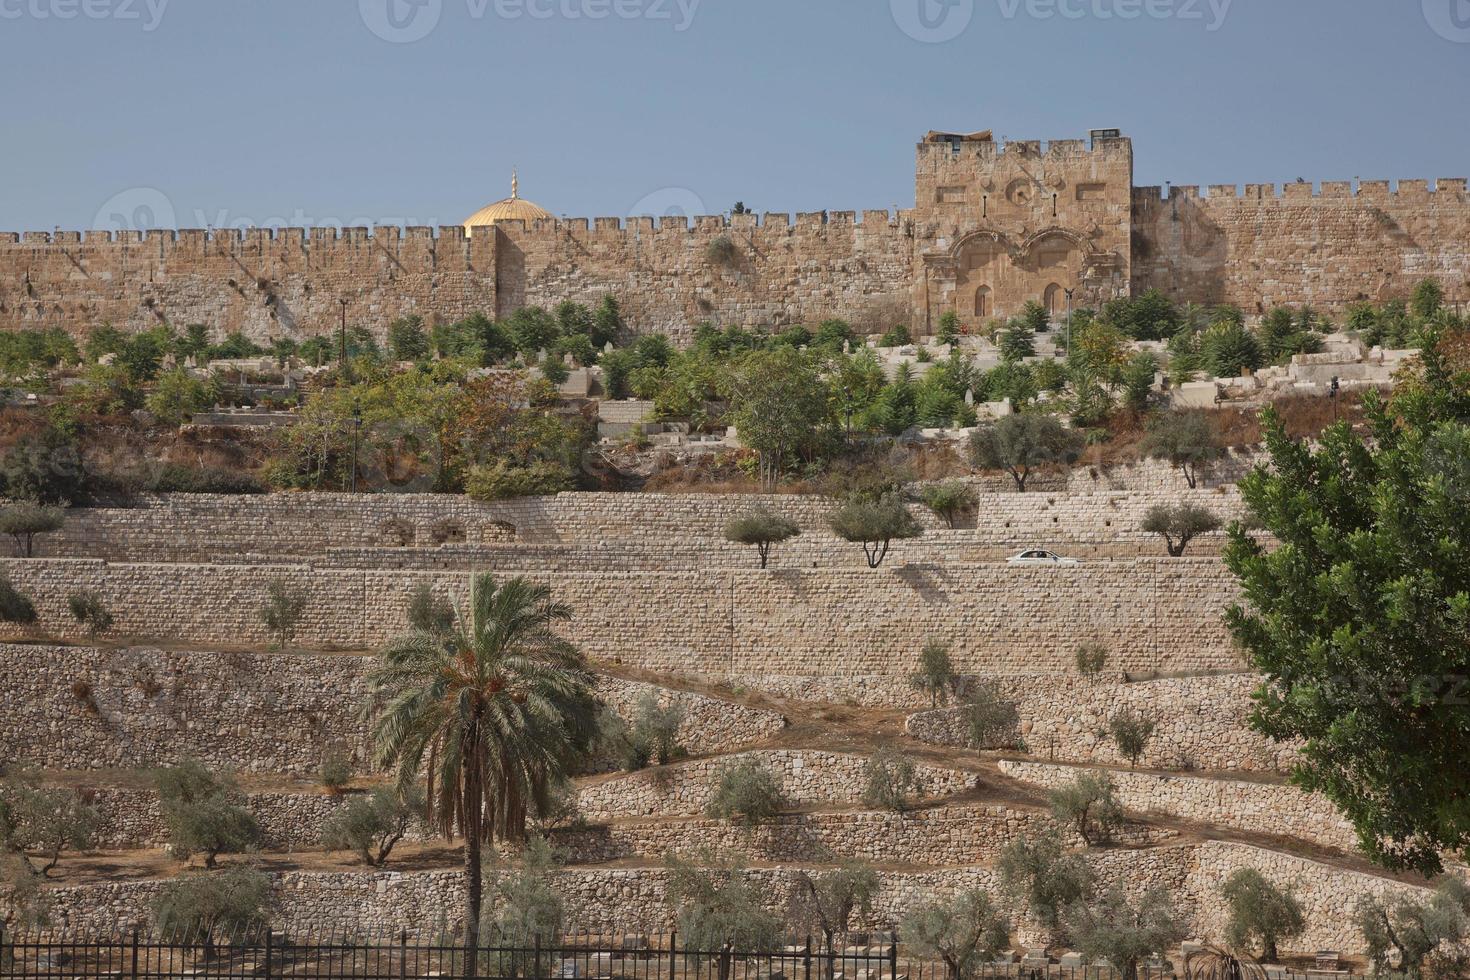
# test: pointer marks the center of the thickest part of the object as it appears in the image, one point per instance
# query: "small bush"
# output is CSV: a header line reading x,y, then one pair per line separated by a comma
x,y
935,676
990,719
1091,659
372,825
656,728
284,606
174,478
336,770
896,337
746,791
1131,733
430,613
891,781
948,500
504,481
1088,806
88,609
14,606
721,251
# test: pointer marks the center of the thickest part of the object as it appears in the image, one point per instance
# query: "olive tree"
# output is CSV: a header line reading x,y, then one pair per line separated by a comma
x,y
948,500
717,904
1131,734
207,908
1261,915
204,812
828,900
762,528
990,718
1023,443
24,520
1429,935
890,781
1112,927
39,822
962,932
373,825
1040,876
874,524
1179,524
935,676
1186,440
282,610
1088,805
746,791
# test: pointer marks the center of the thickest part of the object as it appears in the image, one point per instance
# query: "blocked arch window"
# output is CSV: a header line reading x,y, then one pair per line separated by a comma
x,y
982,302
1052,299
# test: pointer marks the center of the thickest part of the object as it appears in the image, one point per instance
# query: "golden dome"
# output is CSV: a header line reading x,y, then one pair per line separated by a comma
x,y
512,208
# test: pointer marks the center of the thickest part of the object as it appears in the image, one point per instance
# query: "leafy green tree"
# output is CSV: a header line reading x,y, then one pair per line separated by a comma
x,y
746,791
495,714
963,932
204,812
1131,734
215,907
407,340
1138,380
948,500
829,900
1186,439
1428,935
38,823
335,771
874,524
1179,524
761,527
607,322
1114,928
1151,316
949,328
44,468
895,410
991,719
1428,299
777,402
1039,875
1035,317
1358,617
718,904
896,337
935,676
430,613
177,395
15,606
531,330
90,610
1261,915
283,609
373,825
833,336
24,520
1088,806
1228,349
1022,443
1017,342
655,728
890,781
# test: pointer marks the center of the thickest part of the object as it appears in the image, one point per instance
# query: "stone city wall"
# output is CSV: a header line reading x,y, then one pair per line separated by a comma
x,y
1264,808
597,530
806,777
80,708
1201,724
1152,614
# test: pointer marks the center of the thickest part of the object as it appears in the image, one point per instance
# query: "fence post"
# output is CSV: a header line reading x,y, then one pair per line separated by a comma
x,y
135,951
674,954
536,958
726,960
893,959
268,933
402,953
806,959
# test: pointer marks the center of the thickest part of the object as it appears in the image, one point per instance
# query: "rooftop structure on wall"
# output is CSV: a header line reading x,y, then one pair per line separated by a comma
x,y
994,225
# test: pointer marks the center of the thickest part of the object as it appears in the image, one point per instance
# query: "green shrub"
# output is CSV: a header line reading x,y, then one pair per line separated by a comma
x,y
204,813
718,904
1113,928
504,481
874,525
336,770
1088,806
1039,875
285,605
24,520
88,609
935,676
15,607
948,500
762,528
1179,524
890,781
896,337
746,791
1261,915
1091,659
990,719
177,478
209,908
1131,733
656,729
372,825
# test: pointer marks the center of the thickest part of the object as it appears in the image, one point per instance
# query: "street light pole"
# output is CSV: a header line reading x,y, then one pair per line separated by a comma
x,y
356,428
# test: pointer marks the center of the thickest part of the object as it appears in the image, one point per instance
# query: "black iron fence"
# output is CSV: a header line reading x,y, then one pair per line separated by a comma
x,y
405,955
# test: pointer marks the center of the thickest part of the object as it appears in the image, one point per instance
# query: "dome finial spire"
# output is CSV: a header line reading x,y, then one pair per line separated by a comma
x,y
515,184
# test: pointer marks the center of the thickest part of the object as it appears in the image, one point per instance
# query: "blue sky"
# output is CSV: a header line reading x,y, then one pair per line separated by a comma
x,y
300,111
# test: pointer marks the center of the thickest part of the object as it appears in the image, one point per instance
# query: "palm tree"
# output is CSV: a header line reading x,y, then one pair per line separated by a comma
x,y
494,712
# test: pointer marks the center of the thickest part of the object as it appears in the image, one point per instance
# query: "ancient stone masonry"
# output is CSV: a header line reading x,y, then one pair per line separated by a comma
x,y
993,226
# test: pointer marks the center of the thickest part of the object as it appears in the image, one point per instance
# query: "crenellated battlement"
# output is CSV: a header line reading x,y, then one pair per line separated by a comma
x,y
1452,189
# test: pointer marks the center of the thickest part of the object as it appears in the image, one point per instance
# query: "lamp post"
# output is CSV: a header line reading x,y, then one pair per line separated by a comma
x,y
356,428
342,363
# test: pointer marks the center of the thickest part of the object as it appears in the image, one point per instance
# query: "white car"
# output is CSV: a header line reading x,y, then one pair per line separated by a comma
x,y
1035,556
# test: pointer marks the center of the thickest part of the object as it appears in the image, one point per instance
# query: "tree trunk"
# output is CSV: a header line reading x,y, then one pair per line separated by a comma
x,y
473,886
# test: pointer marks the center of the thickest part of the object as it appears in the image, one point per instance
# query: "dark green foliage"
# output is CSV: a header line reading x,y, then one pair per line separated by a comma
x,y
948,500
1227,350
1282,334
1114,928
336,770
44,468
746,791
429,612
1035,317
963,932
15,606
935,676
1088,806
1359,617
1038,874
1091,659
372,825
407,340
1186,439
778,403
179,478
204,812
1017,342
222,906
505,481
1150,316
607,323
949,328
1261,915
655,729
1022,443
24,520
762,528
1179,524
1138,381
90,610
896,337
24,351
531,330
1131,734
1428,299
874,524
